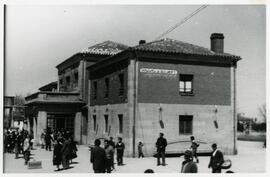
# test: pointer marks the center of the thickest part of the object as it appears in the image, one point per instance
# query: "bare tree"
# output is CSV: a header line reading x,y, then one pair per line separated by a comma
x,y
262,111
19,100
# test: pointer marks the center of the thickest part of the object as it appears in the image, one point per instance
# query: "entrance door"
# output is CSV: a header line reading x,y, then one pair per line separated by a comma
x,y
61,121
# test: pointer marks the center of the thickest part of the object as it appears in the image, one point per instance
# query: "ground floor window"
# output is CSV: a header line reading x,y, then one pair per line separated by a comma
x,y
106,120
185,124
95,122
84,125
120,118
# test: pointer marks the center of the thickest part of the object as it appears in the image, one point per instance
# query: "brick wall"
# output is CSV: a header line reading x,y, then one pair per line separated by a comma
x,y
112,73
211,84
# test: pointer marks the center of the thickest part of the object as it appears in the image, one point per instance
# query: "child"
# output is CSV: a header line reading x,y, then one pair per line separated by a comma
x,y
193,148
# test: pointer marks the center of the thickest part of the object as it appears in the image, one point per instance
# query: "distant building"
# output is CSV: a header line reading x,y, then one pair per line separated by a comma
x,y
14,115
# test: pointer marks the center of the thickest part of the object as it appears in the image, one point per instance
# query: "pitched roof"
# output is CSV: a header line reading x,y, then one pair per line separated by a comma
x,y
105,48
168,45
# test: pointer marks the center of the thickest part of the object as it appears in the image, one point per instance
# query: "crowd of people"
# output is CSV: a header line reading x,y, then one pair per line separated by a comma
x,y
21,142
64,150
18,142
64,147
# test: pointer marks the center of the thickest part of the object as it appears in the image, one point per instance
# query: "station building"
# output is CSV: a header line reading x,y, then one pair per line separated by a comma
x,y
62,104
165,86
169,86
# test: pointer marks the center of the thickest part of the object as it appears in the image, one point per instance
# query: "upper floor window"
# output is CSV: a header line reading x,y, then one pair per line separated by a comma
x,y
76,77
107,87
95,90
121,80
186,84
185,124
68,80
61,81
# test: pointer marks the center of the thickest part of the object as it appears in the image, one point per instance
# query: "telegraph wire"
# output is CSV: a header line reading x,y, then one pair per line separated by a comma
x,y
182,21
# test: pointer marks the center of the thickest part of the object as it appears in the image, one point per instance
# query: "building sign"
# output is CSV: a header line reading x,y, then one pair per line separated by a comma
x,y
151,72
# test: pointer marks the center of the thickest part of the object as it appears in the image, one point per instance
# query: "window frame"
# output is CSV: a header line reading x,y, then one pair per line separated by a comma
x,y
94,122
106,123
121,84
120,123
185,124
185,92
107,87
95,90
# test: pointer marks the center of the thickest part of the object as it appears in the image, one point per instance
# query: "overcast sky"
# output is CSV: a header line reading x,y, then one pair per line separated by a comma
x,y
40,37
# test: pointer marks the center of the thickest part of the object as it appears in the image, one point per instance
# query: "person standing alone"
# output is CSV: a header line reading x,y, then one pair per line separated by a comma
x,y
120,146
216,160
140,152
161,147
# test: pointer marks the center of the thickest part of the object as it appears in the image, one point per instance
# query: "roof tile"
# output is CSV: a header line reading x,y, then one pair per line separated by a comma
x,y
105,48
168,45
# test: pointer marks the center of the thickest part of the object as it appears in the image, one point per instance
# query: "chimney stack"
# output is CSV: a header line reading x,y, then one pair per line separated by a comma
x,y
142,42
217,43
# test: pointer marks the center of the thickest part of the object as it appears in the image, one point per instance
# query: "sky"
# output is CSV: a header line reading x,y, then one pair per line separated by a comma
x,y
40,37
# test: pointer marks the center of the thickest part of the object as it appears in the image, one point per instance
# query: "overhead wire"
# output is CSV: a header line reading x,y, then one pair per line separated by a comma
x,y
182,21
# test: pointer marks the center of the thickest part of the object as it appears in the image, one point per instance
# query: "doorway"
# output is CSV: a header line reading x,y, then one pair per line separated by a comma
x,y
61,121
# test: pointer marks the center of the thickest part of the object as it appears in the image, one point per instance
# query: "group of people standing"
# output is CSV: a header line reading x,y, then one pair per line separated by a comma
x,y
188,165
103,158
18,142
64,150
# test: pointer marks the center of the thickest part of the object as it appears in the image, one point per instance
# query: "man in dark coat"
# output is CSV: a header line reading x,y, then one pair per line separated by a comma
x,y
113,145
161,147
65,153
57,154
216,160
48,140
120,147
98,158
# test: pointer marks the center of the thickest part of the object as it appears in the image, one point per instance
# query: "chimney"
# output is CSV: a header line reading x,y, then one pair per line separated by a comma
x,y
142,42
217,44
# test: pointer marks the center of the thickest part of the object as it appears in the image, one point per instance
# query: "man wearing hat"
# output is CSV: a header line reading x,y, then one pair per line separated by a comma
x,y
188,166
161,146
216,160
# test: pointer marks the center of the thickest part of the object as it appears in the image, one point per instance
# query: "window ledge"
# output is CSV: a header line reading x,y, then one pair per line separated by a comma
x,y
186,94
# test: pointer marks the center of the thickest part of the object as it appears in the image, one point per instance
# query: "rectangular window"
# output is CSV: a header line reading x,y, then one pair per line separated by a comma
x,y
95,122
185,124
76,77
61,81
121,81
186,84
95,90
106,119
107,87
84,125
120,118
68,80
